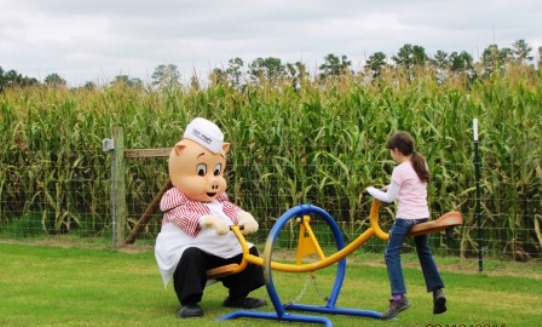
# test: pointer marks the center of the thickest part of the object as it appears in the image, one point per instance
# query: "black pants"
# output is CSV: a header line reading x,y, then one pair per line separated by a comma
x,y
190,276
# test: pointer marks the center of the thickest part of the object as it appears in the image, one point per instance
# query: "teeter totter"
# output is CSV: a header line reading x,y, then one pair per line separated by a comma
x,y
443,223
308,245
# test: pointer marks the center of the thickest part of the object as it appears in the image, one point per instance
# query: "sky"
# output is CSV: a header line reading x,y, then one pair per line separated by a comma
x,y
96,40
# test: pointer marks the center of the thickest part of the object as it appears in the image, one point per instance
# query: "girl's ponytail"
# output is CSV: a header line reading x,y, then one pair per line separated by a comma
x,y
404,142
420,167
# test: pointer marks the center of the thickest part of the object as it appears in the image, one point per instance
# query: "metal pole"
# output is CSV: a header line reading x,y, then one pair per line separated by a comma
x,y
478,210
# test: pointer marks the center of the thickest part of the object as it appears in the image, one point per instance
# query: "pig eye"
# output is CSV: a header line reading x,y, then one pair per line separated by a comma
x,y
218,169
201,169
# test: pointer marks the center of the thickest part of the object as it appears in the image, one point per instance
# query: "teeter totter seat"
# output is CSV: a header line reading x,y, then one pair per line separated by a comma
x,y
232,268
448,220
221,271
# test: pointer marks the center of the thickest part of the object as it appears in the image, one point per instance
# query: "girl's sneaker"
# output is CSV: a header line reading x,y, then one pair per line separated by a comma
x,y
395,307
439,301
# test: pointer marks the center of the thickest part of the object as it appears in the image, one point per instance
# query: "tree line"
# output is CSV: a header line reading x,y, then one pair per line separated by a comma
x,y
409,57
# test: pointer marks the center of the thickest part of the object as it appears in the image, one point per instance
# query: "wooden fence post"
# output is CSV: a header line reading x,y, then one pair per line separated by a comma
x,y
119,212
115,145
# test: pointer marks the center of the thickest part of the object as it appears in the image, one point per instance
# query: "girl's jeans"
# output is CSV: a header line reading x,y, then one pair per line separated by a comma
x,y
398,233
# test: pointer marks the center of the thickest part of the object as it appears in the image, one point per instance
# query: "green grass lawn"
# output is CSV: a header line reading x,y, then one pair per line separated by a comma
x,y
53,286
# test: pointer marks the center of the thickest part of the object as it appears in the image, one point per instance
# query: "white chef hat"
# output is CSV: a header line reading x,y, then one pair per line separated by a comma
x,y
206,133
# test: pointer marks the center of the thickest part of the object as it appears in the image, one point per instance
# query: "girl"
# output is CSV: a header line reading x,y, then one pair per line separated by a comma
x,y
409,185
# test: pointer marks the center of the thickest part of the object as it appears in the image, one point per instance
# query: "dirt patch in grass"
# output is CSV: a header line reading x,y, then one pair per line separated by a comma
x,y
136,248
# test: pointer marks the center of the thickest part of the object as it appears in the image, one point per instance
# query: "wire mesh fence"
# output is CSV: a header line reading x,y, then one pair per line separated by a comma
x,y
41,201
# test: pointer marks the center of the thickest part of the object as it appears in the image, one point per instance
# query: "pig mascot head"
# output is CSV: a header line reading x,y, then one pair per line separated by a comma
x,y
197,162
196,169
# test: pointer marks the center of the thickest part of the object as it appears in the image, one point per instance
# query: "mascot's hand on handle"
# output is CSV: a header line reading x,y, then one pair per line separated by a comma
x,y
216,223
250,225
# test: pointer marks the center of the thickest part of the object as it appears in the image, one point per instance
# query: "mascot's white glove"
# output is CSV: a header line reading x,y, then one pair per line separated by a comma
x,y
250,224
216,223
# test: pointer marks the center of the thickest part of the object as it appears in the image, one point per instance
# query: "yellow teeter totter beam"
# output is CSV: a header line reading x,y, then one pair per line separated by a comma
x,y
308,244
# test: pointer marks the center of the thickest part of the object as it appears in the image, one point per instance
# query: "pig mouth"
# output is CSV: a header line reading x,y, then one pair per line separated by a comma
x,y
211,194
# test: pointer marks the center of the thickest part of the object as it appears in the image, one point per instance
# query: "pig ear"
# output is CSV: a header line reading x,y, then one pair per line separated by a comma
x,y
225,147
178,148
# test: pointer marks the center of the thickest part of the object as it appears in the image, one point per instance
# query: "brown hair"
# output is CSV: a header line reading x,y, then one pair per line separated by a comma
x,y
404,142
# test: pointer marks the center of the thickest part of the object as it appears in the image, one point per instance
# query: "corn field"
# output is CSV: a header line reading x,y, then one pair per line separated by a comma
x,y
322,144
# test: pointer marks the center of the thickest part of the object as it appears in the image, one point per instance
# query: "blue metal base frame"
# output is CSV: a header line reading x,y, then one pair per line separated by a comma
x,y
275,316
334,310
303,318
281,314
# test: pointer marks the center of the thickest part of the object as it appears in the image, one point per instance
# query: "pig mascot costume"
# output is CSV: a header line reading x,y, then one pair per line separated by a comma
x,y
195,234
